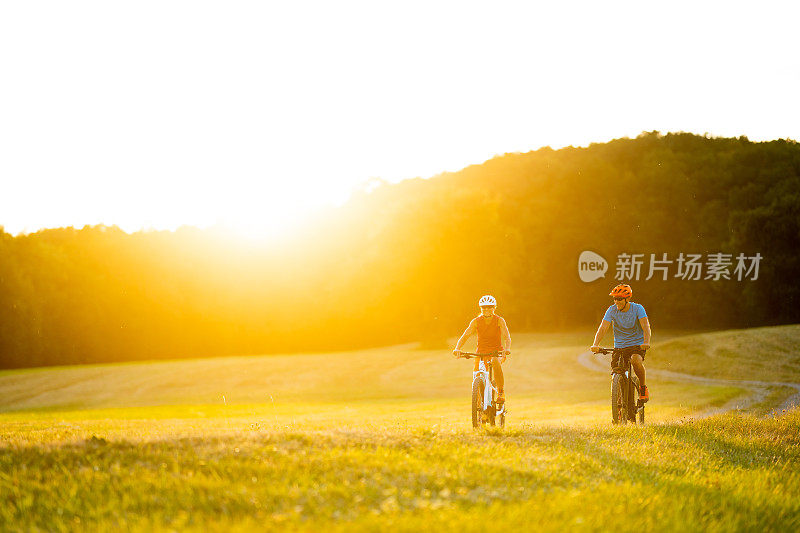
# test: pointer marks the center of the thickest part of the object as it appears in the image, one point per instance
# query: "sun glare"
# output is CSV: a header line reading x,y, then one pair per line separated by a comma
x,y
282,111
259,230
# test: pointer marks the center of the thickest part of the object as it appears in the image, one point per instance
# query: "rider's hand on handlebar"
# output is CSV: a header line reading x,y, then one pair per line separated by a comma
x,y
456,353
595,349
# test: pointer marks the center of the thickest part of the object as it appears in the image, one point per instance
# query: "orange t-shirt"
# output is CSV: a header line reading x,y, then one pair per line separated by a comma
x,y
489,334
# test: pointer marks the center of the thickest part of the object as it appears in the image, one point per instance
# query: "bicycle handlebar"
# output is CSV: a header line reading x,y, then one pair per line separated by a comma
x,y
611,350
470,355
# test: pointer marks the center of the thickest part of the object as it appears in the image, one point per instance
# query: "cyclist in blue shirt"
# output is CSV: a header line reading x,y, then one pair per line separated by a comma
x,y
631,331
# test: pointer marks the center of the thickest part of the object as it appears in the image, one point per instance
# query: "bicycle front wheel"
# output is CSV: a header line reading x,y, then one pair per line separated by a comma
x,y
477,402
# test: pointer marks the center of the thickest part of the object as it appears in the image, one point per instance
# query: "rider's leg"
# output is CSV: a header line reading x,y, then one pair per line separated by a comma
x,y
638,367
498,373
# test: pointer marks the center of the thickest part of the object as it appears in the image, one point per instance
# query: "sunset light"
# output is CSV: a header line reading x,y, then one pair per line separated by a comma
x,y
255,114
430,266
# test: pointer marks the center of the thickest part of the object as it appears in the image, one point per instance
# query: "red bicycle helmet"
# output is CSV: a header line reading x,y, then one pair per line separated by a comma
x,y
621,291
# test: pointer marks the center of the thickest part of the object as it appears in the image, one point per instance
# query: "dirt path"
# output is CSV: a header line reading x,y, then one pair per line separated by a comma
x,y
758,389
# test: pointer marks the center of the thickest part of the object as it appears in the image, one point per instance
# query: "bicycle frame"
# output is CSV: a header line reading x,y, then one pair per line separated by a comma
x,y
484,407
488,391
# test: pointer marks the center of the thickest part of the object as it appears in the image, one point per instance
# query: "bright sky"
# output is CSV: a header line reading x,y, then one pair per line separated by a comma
x,y
251,114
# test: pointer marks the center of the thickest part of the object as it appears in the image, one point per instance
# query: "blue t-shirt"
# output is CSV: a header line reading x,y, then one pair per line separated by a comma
x,y
627,329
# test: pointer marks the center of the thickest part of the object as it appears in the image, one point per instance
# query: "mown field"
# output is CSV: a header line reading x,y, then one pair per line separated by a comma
x,y
758,353
380,439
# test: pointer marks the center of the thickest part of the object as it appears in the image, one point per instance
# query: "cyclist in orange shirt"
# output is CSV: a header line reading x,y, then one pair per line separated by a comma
x,y
493,336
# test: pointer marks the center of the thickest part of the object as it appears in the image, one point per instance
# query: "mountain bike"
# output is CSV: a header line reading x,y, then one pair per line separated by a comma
x,y
485,408
625,404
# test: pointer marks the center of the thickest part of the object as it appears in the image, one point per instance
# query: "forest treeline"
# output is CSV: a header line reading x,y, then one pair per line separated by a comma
x,y
407,261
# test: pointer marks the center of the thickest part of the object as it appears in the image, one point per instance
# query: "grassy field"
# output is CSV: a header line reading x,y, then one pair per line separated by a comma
x,y
379,439
759,353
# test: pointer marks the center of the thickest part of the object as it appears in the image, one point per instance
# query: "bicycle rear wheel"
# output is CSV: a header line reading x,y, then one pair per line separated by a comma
x,y
618,414
633,398
477,401
491,412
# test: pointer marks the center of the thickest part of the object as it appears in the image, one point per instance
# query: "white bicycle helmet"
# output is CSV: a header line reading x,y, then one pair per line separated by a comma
x,y
487,300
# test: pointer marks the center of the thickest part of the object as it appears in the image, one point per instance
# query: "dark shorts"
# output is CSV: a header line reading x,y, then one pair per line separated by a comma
x,y
630,350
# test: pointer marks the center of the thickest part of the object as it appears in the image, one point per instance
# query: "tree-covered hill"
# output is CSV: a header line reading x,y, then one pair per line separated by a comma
x,y
408,261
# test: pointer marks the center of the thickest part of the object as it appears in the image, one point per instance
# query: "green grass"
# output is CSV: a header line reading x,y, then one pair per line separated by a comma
x,y
379,439
769,354
725,473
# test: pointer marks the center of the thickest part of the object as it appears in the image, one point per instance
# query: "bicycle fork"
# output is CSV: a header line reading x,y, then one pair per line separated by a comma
x,y
488,390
